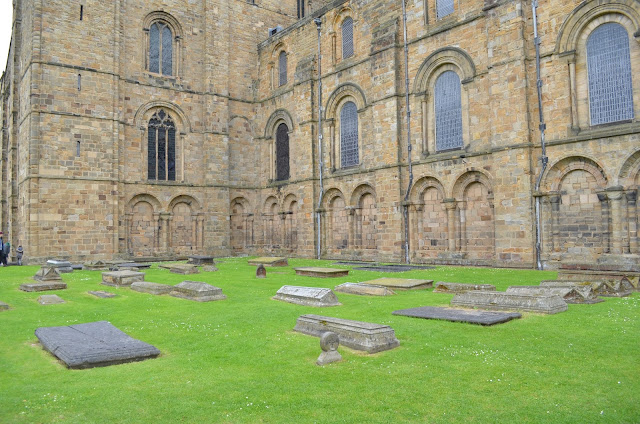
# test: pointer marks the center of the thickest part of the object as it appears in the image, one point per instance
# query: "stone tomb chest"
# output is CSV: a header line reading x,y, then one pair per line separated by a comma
x,y
198,291
95,344
268,261
200,260
50,299
308,296
568,294
459,315
502,301
365,336
444,287
43,286
151,288
401,283
364,289
321,272
62,266
121,278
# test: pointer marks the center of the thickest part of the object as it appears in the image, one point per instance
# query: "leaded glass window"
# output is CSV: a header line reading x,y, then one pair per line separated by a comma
x,y
448,110
349,135
282,68
161,152
300,9
282,153
444,8
609,68
160,49
347,38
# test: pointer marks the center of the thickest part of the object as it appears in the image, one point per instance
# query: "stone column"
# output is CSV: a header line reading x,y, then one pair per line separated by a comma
x,y
194,232
415,219
632,208
128,222
425,125
285,231
574,95
462,225
165,240
351,221
157,228
615,199
200,240
606,214
332,147
555,221
450,205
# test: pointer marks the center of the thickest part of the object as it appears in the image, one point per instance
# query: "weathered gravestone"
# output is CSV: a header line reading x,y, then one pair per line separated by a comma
x,y
365,336
102,294
200,260
3,306
95,344
269,261
321,272
47,273
308,296
44,286
209,268
261,271
329,343
459,315
96,266
50,299
364,289
121,278
184,269
401,283
445,287
151,288
510,302
62,266
197,290
568,294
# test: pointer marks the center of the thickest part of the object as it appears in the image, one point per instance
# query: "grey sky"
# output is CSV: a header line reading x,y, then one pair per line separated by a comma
x,y
6,11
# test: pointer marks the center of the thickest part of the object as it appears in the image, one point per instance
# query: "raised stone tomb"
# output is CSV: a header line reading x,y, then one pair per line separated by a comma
x,y
94,344
598,288
365,336
184,269
121,278
609,276
568,294
198,291
60,265
445,287
321,272
459,315
502,301
401,283
47,273
308,296
364,289
269,261
44,286
50,299
200,260
151,288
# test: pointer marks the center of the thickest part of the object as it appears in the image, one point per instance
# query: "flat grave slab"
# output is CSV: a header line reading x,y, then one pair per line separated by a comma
x,y
44,286
184,269
358,335
47,273
502,301
151,288
96,266
121,278
364,289
392,268
459,315
50,299
200,260
3,306
568,294
445,287
308,296
401,283
138,265
198,291
102,294
269,261
62,266
209,268
95,344
321,272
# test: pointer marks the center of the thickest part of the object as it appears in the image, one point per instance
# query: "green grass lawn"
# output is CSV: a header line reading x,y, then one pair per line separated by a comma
x,y
238,360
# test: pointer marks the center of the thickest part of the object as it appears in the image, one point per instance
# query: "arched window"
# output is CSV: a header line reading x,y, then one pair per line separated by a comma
x,y
444,8
282,68
300,9
347,38
448,111
160,49
282,152
161,147
609,69
349,135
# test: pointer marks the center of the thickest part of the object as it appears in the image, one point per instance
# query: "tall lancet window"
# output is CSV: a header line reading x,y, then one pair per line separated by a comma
x,y
349,153
448,108
160,49
282,153
282,68
161,147
347,38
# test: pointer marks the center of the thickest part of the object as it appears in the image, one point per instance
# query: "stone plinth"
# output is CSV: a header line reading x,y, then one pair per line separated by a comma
x,y
365,336
197,290
445,287
121,278
50,299
151,288
184,269
209,268
44,286
321,272
62,266
459,315
502,301
401,283
268,261
201,260
95,344
308,296
102,294
47,273
568,294
364,289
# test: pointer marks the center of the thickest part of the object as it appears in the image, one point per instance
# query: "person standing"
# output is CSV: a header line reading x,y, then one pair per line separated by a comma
x,y
19,253
3,257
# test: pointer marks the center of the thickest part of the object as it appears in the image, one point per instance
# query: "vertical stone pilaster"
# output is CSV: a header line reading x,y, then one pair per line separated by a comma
x,y
425,125
351,218
615,199
450,205
462,225
128,222
555,200
157,227
632,207
606,222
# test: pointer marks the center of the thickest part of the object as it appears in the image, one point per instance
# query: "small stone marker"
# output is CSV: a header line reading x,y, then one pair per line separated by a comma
x,y
197,290
121,278
50,299
365,336
47,273
209,268
321,272
261,271
401,283
62,266
44,286
96,266
459,315
568,294
201,260
329,343
444,287
95,344
3,306
364,289
510,302
184,269
102,294
308,296
151,288
268,261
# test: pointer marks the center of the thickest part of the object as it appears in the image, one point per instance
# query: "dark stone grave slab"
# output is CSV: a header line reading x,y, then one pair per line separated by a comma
x,y
121,278
151,288
95,344
50,299
392,268
321,272
364,289
568,294
138,265
502,301
355,263
77,267
358,335
459,315
444,287
184,269
3,306
102,294
44,286
198,291
47,273
200,260
308,296
269,261
62,266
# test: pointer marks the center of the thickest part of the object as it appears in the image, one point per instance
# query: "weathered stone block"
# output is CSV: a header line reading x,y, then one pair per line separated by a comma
x,y
47,273
151,288
510,302
62,266
50,299
184,269
121,278
96,266
321,272
197,290
3,306
568,294
444,287
44,286
401,283
459,315
364,289
308,296
269,261
201,260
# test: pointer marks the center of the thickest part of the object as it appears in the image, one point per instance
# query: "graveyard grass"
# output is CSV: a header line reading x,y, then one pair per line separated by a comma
x,y
238,360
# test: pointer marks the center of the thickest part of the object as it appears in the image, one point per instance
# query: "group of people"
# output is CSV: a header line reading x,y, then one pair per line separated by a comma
x,y
5,249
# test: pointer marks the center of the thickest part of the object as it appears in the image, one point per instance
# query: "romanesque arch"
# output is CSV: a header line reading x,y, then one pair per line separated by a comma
x,y
185,225
143,225
337,220
366,217
428,216
271,223
629,179
279,134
